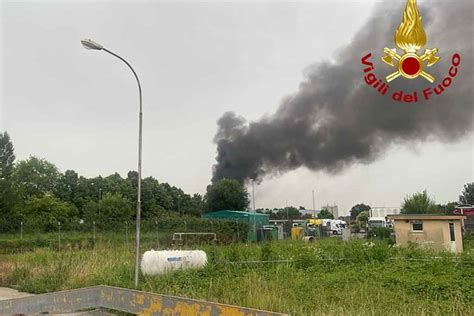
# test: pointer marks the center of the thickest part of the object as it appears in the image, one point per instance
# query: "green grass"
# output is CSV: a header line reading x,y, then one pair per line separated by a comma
x,y
327,277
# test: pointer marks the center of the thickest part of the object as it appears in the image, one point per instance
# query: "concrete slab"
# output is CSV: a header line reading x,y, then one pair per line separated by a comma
x,y
7,293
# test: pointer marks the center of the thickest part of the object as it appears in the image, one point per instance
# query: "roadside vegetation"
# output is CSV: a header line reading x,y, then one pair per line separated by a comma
x,y
328,277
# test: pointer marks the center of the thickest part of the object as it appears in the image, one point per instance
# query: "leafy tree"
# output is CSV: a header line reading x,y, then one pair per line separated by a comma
x,y
357,209
418,203
197,204
290,212
44,213
115,210
446,209
362,218
90,212
7,156
84,192
7,194
67,186
227,194
467,196
325,214
36,177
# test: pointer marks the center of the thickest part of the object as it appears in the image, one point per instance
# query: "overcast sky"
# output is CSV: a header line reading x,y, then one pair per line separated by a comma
x,y
196,60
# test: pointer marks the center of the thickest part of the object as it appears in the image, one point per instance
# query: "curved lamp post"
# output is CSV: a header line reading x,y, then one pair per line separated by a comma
x,y
89,44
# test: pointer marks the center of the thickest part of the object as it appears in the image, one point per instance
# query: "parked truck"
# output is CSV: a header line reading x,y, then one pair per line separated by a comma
x,y
335,226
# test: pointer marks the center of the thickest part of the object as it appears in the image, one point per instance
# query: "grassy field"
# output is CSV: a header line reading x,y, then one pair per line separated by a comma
x,y
327,277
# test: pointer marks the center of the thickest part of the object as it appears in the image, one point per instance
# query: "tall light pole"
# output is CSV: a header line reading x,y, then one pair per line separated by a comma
x,y
89,44
254,210
314,207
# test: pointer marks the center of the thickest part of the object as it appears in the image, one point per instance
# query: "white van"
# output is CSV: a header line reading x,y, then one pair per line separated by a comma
x,y
373,222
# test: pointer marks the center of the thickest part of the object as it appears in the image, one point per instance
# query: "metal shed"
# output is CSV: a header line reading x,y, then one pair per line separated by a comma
x,y
252,219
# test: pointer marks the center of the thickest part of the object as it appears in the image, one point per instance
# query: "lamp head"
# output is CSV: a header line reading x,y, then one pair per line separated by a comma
x,y
90,44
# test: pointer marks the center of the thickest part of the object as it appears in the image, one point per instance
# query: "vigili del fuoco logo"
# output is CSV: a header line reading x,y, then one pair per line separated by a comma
x,y
410,38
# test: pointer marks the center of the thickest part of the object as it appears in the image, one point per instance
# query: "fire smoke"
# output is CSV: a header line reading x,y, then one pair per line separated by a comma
x,y
335,120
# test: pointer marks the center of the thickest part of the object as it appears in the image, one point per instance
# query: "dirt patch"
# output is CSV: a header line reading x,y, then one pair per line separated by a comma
x,y
5,269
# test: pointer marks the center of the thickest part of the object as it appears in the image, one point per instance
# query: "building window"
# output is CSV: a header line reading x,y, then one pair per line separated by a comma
x,y
451,232
417,226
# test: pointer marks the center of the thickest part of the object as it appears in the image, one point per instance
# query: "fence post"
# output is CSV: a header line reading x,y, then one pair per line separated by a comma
x,y
238,231
93,231
126,232
59,236
157,233
21,230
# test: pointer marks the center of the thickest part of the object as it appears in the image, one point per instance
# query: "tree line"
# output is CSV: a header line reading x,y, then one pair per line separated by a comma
x,y
34,192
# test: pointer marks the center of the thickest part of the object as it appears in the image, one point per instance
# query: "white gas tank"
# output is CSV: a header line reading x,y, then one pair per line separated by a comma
x,y
162,261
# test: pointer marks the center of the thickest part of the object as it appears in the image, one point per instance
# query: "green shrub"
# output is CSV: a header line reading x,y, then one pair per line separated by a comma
x,y
380,232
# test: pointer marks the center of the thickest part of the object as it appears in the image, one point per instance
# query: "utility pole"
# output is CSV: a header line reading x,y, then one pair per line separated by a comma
x,y
314,207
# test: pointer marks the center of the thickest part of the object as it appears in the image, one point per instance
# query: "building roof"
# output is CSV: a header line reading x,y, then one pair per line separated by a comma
x,y
426,217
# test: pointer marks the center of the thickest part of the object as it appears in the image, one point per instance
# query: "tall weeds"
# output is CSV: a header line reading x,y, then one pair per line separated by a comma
x,y
327,277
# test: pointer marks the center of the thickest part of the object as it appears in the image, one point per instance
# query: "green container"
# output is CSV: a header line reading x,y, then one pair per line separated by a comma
x,y
255,221
270,232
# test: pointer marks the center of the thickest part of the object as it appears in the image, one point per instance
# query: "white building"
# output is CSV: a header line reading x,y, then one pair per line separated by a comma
x,y
382,211
333,209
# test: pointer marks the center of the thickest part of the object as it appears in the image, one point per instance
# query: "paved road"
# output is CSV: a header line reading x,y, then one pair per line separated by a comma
x,y
6,293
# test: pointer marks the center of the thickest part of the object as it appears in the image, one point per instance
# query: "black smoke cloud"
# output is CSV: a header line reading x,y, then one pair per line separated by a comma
x,y
335,119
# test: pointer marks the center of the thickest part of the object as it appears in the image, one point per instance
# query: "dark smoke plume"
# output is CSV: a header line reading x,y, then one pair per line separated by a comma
x,y
335,119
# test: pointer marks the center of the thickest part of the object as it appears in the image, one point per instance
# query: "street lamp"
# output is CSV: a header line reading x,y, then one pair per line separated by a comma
x,y
89,44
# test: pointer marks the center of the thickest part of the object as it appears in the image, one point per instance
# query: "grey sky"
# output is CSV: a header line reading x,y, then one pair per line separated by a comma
x,y
196,60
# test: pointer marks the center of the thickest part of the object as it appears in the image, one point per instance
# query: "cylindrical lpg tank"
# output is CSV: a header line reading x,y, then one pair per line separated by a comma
x,y
163,261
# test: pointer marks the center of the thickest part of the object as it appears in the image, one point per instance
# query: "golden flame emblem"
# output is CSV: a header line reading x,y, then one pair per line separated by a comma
x,y
410,37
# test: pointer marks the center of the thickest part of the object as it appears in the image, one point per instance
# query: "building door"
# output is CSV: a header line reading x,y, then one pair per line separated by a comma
x,y
452,238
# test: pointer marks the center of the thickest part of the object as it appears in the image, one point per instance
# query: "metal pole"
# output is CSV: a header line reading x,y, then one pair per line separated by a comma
x,y
100,191
254,210
93,231
314,207
21,230
157,232
139,189
126,233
